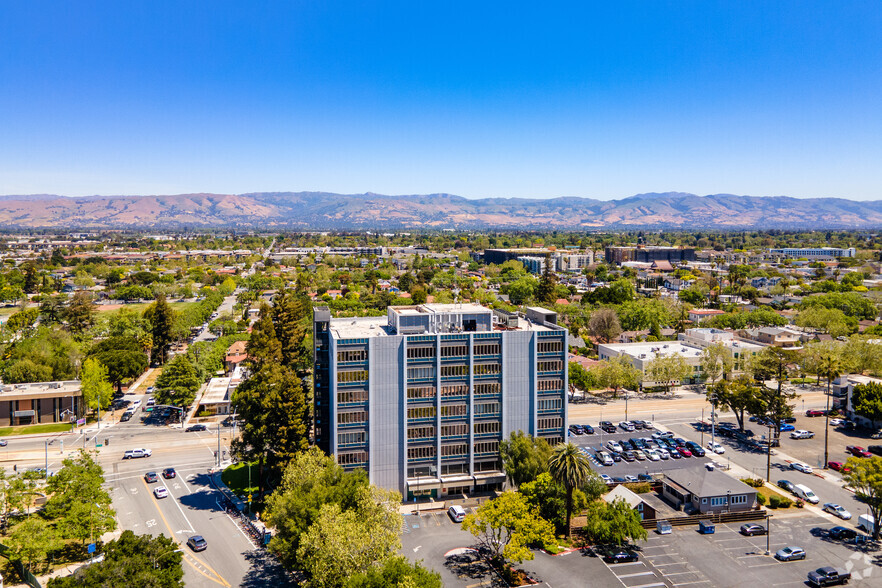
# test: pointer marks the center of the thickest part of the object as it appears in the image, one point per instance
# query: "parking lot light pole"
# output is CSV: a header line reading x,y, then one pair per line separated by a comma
x,y
827,426
768,532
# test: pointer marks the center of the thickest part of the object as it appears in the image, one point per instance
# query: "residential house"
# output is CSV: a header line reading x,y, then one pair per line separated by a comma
x,y
634,500
706,490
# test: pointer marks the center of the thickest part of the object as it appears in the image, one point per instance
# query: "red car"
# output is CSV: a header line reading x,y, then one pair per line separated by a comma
x,y
684,452
814,413
838,466
858,451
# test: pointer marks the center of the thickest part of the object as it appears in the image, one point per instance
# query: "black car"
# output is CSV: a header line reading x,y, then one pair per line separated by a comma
x,y
151,477
588,429
789,419
168,473
644,478
877,449
608,426
197,543
619,480
616,554
751,529
695,448
125,417
616,455
842,533
192,428
228,422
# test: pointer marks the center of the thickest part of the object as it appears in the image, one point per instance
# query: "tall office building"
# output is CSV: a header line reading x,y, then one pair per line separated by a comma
x,y
620,255
421,398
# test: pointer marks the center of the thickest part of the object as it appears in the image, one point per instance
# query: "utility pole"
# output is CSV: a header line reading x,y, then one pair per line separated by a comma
x,y
769,452
827,426
218,446
713,399
46,441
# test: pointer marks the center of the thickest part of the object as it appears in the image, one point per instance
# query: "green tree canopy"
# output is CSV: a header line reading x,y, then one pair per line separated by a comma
x,y
395,572
570,468
865,478
178,383
524,457
96,388
613,523
866,399
604,324
507,525
123,356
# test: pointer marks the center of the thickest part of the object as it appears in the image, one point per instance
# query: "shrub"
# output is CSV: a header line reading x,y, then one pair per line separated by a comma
x,y
761,499
785,503
753,482
639,487
774,501
800,504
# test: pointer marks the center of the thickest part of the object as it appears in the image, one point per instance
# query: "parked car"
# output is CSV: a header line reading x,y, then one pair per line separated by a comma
x,y
804,492
663,453
801,434
626,426
614,554
751,529
787,427
838,466
169,473
801,467
628,455
607,426
716,447
614,446
836,422
652,455
866,522
790,554
136,453
587,429
629,479
640,455
695,448
828,576
456,513
662,435
160,492
681,442
842,533
197,543
684,452
814,413
786,485
151,477
858,451
605,458
837,510
875,449
606,479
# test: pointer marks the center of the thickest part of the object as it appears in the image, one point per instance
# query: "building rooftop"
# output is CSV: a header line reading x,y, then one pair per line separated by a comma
x,y
650,350
216,393
705,482
39,389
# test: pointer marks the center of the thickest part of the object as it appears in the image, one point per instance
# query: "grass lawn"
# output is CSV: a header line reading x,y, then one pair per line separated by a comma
x,y
139,307
236,479
34,429
768,493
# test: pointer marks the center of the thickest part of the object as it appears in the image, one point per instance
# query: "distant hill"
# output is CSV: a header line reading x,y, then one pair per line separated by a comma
x,y
321,210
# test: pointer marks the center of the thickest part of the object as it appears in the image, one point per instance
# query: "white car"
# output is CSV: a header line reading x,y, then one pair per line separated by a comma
x,y
627,425
160,492
801,434
715,447
605,458
837,510
801,467
663,453
836,422
614,446
652,454
606,478
662,435
136,453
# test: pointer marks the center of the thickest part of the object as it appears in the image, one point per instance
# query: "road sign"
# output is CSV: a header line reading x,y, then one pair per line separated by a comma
x,y
81,422
91,548
249,498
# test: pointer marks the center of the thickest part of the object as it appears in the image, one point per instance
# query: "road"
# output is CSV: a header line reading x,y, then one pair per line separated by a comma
x,y
193,506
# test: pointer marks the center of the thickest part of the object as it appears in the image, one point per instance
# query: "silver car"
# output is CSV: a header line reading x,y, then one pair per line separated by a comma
x,y
837,510
790,554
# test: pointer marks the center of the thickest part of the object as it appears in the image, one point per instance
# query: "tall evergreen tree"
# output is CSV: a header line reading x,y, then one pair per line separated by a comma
x,y
290,314
545,290
161,317
263,346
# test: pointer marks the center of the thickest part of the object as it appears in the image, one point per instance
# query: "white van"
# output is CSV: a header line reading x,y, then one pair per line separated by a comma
x,y
866,522
456,513
804,492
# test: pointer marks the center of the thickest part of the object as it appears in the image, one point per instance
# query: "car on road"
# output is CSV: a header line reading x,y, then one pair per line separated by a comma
x,y
836,422
160,492
875,449
804,492
801,434
842,533
858,451
151,477
150,390
3,443
828,576
126,416
838,466
837,510
787,427
626,426
456,513
197,543
192,428
751,529
169,473
136,453
790,554
814,412
614,554
801,467
136,403
715,447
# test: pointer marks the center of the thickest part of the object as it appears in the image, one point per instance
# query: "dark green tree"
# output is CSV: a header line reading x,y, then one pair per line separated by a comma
x,y
524,457
80,314
31,280
396,572
178,383
123,357
867,401
547,283
291,315
162,320
264,346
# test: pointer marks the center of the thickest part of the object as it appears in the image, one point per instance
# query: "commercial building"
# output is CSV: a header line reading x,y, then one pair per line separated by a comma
x,y
706,490
815,253
619,255
40,402
216,398
422,397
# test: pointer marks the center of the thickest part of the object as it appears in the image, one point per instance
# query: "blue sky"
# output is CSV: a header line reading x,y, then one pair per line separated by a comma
x,y
480,99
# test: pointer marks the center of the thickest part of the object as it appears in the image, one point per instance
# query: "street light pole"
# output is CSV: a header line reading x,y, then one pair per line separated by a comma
x,y
768,532
827,425
46,441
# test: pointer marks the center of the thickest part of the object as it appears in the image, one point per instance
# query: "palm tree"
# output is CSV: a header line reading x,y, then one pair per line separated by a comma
x,y
569,467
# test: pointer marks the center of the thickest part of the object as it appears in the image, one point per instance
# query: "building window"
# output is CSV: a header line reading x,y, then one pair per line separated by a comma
x,y
345,377
550,385
417,392
738,499
484,408
456,430
352,418
448,371
421,412
554,365
454,468
421,372
351,438
488,466
718,501
487,349
454,350
422,432
487,428
454,410
550,404
423,452
488,388
454,449
555,345
484,369
550,423
352,396
420,352
352,458
455,390
352,355
487,447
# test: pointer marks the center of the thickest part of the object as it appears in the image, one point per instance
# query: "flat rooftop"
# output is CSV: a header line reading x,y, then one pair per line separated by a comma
x,y
40,390
653,349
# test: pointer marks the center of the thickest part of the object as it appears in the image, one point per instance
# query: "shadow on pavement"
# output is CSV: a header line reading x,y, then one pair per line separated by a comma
x,y
264,570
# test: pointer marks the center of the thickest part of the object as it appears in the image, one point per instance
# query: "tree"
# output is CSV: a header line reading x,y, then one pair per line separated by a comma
x,y
862,355
31,283
547,283
830,320
396,572
739,396
131,560
580,378
291,314
667,369
162,319
97,391
178,383
613,522
340,543
524,457
80,314
506,526
124,358
865,478
31,541
263,345
79,503
604,324
716,362
22,320
51,310
570,468
419,295
25,370
645,313
866,400
618,372
522,290
312,479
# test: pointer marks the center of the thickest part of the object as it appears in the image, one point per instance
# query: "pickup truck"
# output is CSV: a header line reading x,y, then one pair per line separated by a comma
x,y
828,576
134,453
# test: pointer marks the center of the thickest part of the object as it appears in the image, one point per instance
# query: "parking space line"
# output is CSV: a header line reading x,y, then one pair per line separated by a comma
x,y
648,585
629,563
688,583
637,574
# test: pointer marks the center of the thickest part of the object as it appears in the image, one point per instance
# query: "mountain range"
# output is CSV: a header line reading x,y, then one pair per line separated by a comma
x,y
328,211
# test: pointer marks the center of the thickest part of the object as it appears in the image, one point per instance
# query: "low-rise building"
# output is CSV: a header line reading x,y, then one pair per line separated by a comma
x,y
216,398
706,490
40,402
697,315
